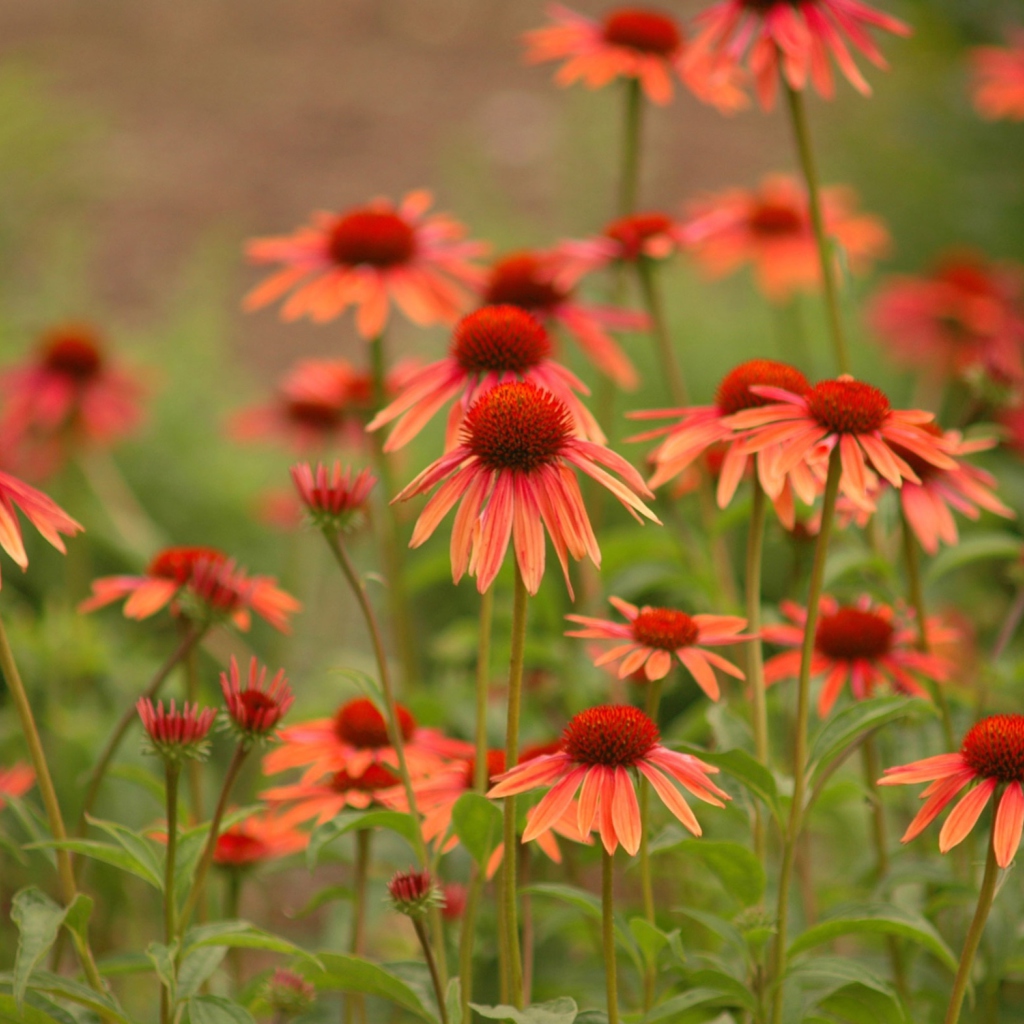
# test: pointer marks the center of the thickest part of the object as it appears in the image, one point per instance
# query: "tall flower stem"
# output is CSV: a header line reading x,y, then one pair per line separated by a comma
x,y
355,1004
393,552
173,772
629,180
802,134
608,934
985,897
515,688
195,774
803,705
646,881
755,649
428,954
667,355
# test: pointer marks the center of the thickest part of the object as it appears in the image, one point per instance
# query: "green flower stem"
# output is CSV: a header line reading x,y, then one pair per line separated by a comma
x,y
428,954
515,686
801,131
1010,625
985,897
796,813
667,355
755,649
608,934
646,882
393,551
633,123
195,772
355,1004
173,772
210,846
467,934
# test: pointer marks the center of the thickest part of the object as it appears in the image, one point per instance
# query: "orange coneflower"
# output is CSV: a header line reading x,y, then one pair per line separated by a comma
x,y
255,706
512,472
331,794
257,838
15,781
998,85
42,512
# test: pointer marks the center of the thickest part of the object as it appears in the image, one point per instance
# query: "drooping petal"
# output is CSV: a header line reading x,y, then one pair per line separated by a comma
x,y
1009,824
963,817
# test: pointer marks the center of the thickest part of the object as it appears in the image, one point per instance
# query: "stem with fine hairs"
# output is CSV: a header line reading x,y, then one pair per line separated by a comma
x,y
633,123
173,773
755,649
608,934
646,882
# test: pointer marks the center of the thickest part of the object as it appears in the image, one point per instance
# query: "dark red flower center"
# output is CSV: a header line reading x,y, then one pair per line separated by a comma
x,y
641,29
256,702
848,406
773,220
317,415
372,237
360,724
966,273
631,232
612,734
495,766
994,748
519,280
517,426
734,394
500,339
664,628
236,847
376,777
177,563
410,886
851,633
73,354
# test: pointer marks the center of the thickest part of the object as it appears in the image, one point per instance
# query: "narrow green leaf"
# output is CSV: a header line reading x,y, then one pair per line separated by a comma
x,y
829,973
739,871
348,821
555,1011
162,958
217,1010
477,822
240,935
669,1009
108,854
1000,545
453,1001
38,919
731,988
724,929
76,992
196,967
76,919
21,1013
132,843
353,974
329,894
858,1004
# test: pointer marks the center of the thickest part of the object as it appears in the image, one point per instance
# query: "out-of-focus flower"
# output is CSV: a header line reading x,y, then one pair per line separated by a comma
x,y
42,512
845,412
964,319
256,839
795,38
289,994
331,794
15,781
650,636
454,901
200,583
493,345
175,734
599,746
332,499
862,645
528,279
770,228
67,394
633,42
992,754
512,471
414,892
998,82
369,257
255,706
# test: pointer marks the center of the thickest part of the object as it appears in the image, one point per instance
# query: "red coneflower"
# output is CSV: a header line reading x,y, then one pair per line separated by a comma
x,y
289,994
491,346
332,498
15,781
413,892
512,472
368,257
653,635
998,85
992,753
255,839
862,645
330,795
42,512
599,746
256,706
632,42
770,228
175,734
795,38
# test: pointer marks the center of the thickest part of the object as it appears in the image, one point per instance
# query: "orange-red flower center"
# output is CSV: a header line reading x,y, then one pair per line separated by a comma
x,y
236,848
848,406
631,232
255,702
177,563
72,354
495,766
500,339
734,394
313,414
774,220
376,777
613,735
963,272
665,628
372,237
642,29
994,748
517,426
519,280
851,633
360,724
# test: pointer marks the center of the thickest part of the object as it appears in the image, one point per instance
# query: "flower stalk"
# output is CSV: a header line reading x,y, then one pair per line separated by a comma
x,y
755,649
173,773
608,934
646,880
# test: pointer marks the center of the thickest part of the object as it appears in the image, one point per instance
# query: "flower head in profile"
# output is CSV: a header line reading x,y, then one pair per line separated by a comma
x,y
490,346
513,473
847,414
648,639
15,781
770,229
256,839
333,498
255,705
862,645
42,512
528,279
638,43
199,583
322,798
289,994
455,895
998,79
963,319
413,893
370,257
796,38
992,754
173,734
599,747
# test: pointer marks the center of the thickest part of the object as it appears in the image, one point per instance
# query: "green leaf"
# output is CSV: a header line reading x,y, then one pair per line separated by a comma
x,y
980,547
651,939
162,958
76,919
403,824
858,1004
741,766
724,929
829,973
453,1001
477,822
76,992
669,1009
555,1011
38,919
217,1010
18,1013
876,918
241,935
124,963
732,988
353,974
740,872
857,560
196,967
133,844
108,854
329,894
